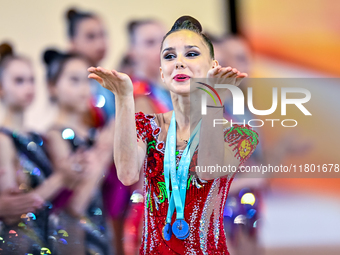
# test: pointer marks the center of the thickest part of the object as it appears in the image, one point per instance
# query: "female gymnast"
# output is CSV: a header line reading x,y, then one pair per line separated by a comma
x,y
70,135
189,218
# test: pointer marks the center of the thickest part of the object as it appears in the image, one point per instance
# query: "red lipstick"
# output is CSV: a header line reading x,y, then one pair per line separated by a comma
x,y
181,77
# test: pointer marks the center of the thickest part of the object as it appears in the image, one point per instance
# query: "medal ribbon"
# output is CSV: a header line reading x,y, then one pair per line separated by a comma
x,y
177,197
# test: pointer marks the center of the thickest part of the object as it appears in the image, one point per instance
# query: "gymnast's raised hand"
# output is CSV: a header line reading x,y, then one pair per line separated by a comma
x,y
118,83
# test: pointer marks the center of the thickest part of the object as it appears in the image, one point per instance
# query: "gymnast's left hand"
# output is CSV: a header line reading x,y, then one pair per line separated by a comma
x,y
224,75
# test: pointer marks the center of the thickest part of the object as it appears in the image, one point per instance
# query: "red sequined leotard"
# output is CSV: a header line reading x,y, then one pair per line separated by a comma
x,y
205,199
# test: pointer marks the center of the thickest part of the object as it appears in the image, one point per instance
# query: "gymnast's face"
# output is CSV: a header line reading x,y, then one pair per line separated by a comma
x,y
17,88
234,52
72,89
90,40
184,55
145,47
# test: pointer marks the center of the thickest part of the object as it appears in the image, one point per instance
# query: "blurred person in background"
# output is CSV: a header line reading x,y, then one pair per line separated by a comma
x,y
234,50
244,206
126,64
70,88
28,183
88,36
244,203
145,37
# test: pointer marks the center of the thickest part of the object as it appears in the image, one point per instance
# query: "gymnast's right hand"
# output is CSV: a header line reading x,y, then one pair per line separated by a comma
x,y
118,83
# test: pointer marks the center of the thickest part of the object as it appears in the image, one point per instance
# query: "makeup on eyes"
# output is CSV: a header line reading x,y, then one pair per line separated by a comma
x,y
168,55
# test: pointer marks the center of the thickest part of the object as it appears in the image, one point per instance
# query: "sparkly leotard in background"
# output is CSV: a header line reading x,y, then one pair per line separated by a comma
x,y
97,236
205,200
30,234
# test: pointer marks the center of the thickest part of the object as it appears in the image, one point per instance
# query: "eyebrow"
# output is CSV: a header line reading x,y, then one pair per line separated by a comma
x,y
186,47
191,46
170,48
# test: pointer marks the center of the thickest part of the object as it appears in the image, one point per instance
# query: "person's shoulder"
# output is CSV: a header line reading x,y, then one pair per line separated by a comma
x,y
163,118
238,133
142,120
140,116
6,135
55,133
157,117
54,130
5,139
226,124
167,115
151,122
6,144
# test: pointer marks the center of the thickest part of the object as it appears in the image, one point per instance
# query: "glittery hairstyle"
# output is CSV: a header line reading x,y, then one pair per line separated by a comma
x,y
55,62
74,17
7,56
191,24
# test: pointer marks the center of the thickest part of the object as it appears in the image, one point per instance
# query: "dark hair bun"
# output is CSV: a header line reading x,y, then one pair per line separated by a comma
x,y
71,13
191,24
5,50
50,55
73,18
132,25
187,22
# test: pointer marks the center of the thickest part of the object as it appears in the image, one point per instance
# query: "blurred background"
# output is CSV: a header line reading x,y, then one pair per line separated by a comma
x,y
282,39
